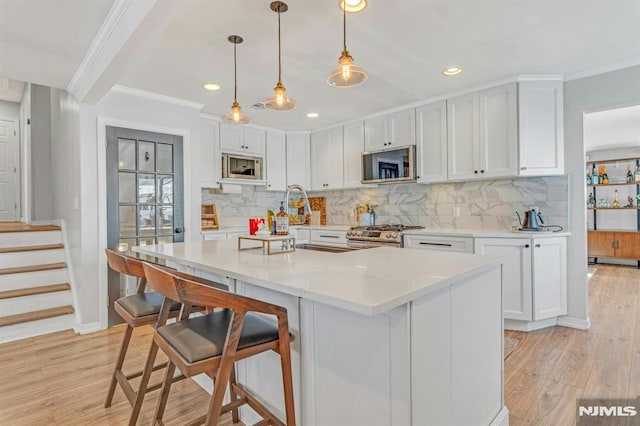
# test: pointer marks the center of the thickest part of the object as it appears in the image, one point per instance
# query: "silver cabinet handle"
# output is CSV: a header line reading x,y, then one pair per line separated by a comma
x,y
538,245
523,168
435,244
329,236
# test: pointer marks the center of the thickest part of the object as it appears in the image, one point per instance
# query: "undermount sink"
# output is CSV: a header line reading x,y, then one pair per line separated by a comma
x,y
319,247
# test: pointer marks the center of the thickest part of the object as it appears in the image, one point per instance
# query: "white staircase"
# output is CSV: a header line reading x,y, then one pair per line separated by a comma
x,y
35,295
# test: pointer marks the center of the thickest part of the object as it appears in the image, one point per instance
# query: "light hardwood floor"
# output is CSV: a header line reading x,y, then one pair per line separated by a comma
x,y
553,367
61,378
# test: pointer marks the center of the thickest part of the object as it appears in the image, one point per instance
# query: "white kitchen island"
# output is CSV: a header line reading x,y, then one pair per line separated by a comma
x,y
384,336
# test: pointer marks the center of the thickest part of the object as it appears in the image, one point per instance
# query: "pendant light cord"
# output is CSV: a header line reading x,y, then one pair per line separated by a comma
x,y
344,25
279,49
235,74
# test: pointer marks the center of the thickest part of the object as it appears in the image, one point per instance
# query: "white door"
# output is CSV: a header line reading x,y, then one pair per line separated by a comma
x,y
402,128
335,158
463,132
319,161
298,160
431,149
254,141
276,162
231,138
353,148
376,133
549,277
8,170
516,273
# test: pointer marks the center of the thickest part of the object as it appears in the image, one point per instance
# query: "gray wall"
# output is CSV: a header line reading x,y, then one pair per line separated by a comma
x,y
9,109
41,183
590,94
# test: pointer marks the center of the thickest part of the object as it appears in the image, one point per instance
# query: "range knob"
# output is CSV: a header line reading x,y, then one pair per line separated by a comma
x,y
394,234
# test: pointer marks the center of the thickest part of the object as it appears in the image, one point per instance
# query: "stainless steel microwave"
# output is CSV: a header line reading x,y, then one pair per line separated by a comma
x,y
389,165
240,167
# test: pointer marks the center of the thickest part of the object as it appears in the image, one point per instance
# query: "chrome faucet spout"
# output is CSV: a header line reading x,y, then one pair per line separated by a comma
x,y
307,206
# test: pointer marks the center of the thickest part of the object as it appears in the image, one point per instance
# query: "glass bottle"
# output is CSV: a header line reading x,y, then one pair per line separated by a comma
x,y
605,177
589,181
282,221
595,179
629,175
637,174
616,203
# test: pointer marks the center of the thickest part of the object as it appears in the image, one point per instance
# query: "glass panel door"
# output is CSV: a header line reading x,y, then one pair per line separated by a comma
x,y
144,197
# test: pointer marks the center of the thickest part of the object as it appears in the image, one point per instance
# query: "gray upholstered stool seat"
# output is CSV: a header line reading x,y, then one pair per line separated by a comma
x,y
143,304
203,337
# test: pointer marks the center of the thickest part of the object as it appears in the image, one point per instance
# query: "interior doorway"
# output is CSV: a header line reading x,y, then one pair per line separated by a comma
x,y
145,196
9,170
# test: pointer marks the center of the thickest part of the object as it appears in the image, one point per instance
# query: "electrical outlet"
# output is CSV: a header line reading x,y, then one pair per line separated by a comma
x,y
456,211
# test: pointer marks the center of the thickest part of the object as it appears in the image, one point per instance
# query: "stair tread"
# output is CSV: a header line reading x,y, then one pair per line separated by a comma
x,y
30,291
23,227
36,315
32,268
31,248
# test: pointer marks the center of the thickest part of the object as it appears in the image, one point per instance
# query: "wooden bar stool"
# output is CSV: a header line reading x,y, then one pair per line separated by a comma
x,y
212,344
136,310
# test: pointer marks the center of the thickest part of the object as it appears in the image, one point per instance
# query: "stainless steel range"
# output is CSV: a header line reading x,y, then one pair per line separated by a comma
x,y
377,235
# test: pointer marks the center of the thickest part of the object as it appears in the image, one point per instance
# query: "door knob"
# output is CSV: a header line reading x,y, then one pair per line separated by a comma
x,y
179,230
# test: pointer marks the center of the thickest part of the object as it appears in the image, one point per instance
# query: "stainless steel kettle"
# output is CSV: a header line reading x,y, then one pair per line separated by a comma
x,y
532,221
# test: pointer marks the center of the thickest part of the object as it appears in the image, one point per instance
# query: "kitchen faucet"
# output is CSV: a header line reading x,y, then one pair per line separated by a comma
x,y
307,206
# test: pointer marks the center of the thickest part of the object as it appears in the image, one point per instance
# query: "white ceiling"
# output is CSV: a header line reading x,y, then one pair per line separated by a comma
x,y
44,41
616,128
403,45
11,90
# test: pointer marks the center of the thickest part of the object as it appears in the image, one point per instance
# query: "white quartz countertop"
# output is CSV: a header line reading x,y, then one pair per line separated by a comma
x,y
485,233
224,229
369,282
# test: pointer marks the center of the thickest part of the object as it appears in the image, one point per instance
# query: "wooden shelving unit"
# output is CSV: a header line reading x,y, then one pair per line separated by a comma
x,y
614,243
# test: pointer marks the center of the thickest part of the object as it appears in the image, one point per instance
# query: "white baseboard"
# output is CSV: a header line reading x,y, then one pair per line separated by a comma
x,y
502,419
579,323
91,327
519,325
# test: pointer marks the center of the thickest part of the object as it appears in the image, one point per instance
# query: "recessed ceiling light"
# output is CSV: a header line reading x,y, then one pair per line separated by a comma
x,y
211,86
353,6
452,71
313,115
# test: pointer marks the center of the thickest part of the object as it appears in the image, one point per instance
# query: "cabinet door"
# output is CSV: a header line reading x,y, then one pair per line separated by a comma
x,y
353,148
276,164
335,158
601,244
375,133
209,153
431,149
231,138
516,274
498,149
402,128
298,160
462,125
628,245
549,278
541,128
254,141
319,161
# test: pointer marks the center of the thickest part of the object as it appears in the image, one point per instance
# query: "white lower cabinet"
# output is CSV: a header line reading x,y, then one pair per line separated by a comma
x,y
457,244
535,278
221,235
330,237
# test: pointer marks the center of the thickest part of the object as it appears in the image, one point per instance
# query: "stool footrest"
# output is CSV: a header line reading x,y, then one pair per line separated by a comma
x,y
257,406
139,373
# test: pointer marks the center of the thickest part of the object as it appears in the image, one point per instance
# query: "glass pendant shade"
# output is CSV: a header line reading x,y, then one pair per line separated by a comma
x,y
280,101
235,116
347,74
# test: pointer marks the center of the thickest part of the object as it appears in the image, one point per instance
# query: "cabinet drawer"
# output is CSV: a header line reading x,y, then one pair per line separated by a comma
x,y
217,236
329,237
302,235
457,244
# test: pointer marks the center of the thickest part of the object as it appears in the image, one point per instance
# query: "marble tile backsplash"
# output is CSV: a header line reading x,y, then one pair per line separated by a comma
x,y
483,204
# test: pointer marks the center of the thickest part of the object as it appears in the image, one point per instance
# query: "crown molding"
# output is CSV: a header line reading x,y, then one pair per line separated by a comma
x,y
156,97
541,77
604,69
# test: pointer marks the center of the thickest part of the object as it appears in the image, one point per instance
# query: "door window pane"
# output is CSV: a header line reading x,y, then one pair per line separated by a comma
x,y
125,244
126,187
147,220
165,220
165,189
146,156
146,188
127,221
165,240
126,154
165,158
148,241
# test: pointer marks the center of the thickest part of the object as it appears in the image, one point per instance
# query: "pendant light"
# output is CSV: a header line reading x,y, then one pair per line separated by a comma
x,y
235,116
279,101
346,74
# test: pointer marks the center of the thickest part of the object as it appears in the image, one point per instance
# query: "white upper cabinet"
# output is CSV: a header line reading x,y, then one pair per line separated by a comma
x,y
541,130
390,130
482,134
327,159
242,139
353,148
276,164
209,157
298,159
431,149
